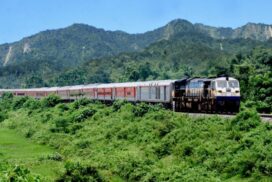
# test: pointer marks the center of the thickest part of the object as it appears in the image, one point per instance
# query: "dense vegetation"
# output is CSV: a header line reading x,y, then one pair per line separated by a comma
x,y
126,142
254,71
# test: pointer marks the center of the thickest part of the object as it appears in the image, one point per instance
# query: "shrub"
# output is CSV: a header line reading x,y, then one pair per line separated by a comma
x,y
29,133
45,117
7,96
16,173
81,102
75,171
61,125
84,114
246,120
3,116
63,107
83,144
31,104
55,157
118,104
6,100
140,109
263,107
246,164
18,102
50,101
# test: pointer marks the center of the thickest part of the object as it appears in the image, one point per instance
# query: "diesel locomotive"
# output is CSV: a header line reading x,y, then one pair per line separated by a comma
x,y
220,94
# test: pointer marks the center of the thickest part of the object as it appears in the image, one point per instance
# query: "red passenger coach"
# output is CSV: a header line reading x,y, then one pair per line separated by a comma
x,y
130,92
120,92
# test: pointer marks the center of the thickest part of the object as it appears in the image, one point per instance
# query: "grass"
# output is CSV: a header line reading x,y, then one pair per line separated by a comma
x,y
16,149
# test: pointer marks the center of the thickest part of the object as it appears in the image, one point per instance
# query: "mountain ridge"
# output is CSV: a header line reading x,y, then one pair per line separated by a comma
x,y
79,42
85,54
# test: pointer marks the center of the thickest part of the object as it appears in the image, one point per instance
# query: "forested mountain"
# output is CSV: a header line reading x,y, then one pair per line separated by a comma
x,y
253,31
83,54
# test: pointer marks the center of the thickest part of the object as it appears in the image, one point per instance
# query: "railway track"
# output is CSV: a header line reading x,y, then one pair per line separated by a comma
x,y
264,117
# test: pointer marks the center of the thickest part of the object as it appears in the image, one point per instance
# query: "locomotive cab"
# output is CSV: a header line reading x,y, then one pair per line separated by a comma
x,y
226,91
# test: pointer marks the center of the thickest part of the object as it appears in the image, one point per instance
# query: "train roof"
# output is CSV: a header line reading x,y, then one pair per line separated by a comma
x,y
135,84
116,85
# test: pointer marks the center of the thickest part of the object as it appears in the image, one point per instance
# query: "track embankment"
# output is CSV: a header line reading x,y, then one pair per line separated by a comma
x,y
265,117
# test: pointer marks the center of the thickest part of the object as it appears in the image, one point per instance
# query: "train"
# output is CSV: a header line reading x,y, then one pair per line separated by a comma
x,y
216,94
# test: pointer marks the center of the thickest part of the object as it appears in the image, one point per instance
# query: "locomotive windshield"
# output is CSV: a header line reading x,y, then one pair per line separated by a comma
x,y
221,83
233,84
225,84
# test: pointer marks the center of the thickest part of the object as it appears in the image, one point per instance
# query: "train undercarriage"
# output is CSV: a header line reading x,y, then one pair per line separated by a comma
x,y
210,105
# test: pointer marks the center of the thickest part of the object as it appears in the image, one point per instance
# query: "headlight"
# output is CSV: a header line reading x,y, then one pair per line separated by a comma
x,y
237,91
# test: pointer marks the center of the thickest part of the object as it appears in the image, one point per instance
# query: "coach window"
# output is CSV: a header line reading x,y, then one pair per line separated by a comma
x,y
158,93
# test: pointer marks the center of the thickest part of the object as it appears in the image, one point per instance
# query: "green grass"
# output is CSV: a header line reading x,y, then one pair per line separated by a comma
x,y
16,149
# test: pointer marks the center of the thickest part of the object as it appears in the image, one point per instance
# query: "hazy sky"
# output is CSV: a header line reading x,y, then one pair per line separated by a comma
x,y
20,18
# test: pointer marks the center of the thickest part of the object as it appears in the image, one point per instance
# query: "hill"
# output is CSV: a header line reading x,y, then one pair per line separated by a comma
x,y
82,54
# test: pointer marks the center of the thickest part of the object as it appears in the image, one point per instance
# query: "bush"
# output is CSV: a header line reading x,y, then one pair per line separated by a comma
x,y
55,157
263,107
7,96
61,125
75,171
50,101
140,109
3,116
18,102
32,104
118,104
16,173
63,107
81,102
246,120
84,114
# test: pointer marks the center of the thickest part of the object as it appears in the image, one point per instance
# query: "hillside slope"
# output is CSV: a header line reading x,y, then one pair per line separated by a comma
x,y
82,54
126,142
80,42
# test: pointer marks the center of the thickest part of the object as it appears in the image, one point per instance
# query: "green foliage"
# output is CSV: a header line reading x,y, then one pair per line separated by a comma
x,y
141,142
3,116
16,173
81,102
50,101
254,73
75,171
84,114
247,120
55,156
141,109
7,96
18,102
61,125
32,104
